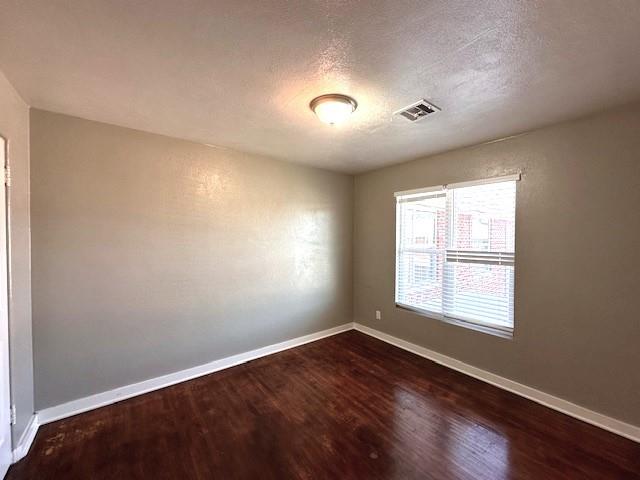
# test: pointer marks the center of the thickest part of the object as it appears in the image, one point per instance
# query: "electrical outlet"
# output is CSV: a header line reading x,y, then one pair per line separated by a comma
x,y
378,315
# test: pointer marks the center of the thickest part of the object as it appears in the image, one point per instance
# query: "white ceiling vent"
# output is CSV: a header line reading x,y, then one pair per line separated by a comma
x,y
417,111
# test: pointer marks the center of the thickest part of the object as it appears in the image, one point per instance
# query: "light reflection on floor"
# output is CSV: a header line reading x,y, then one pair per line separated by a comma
x,y
484,453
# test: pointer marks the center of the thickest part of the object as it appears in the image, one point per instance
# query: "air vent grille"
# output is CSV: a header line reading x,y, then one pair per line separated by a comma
x,y
418,110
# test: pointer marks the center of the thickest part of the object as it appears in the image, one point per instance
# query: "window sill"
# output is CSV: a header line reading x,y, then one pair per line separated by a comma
x,y
501,332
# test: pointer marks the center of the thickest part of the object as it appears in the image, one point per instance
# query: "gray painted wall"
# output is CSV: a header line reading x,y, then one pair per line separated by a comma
x,y
577,321
151,254
14,125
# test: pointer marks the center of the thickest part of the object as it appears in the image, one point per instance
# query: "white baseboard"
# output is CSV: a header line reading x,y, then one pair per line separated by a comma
x,y
613,425
98,400
26,439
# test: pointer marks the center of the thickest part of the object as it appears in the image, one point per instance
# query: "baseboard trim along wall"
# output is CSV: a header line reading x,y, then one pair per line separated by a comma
x,y
92,402
26,439
98,400
599,420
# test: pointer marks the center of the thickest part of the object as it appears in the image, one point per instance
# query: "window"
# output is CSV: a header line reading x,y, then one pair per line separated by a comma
x,y
455,253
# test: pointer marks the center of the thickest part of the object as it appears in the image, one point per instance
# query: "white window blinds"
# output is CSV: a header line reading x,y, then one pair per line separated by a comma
x,y
455,251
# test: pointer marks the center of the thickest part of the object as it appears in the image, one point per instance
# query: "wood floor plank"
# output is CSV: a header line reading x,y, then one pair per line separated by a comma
x,y
347,407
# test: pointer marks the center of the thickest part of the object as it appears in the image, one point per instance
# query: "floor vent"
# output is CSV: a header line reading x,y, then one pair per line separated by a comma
x,y
417,111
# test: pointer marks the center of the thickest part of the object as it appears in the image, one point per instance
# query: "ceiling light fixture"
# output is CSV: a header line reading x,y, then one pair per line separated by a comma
x,y
333,108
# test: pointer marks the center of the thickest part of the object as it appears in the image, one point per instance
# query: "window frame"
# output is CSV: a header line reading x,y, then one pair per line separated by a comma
x,y
473,324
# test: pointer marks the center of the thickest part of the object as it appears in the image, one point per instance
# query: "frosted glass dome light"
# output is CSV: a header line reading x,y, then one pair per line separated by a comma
x,y
333,108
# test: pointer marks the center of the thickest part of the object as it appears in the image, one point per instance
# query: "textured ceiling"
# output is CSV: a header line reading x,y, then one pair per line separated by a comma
x,y
240,74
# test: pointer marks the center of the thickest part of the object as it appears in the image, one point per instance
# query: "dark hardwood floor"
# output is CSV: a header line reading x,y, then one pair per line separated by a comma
x,y
346,407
